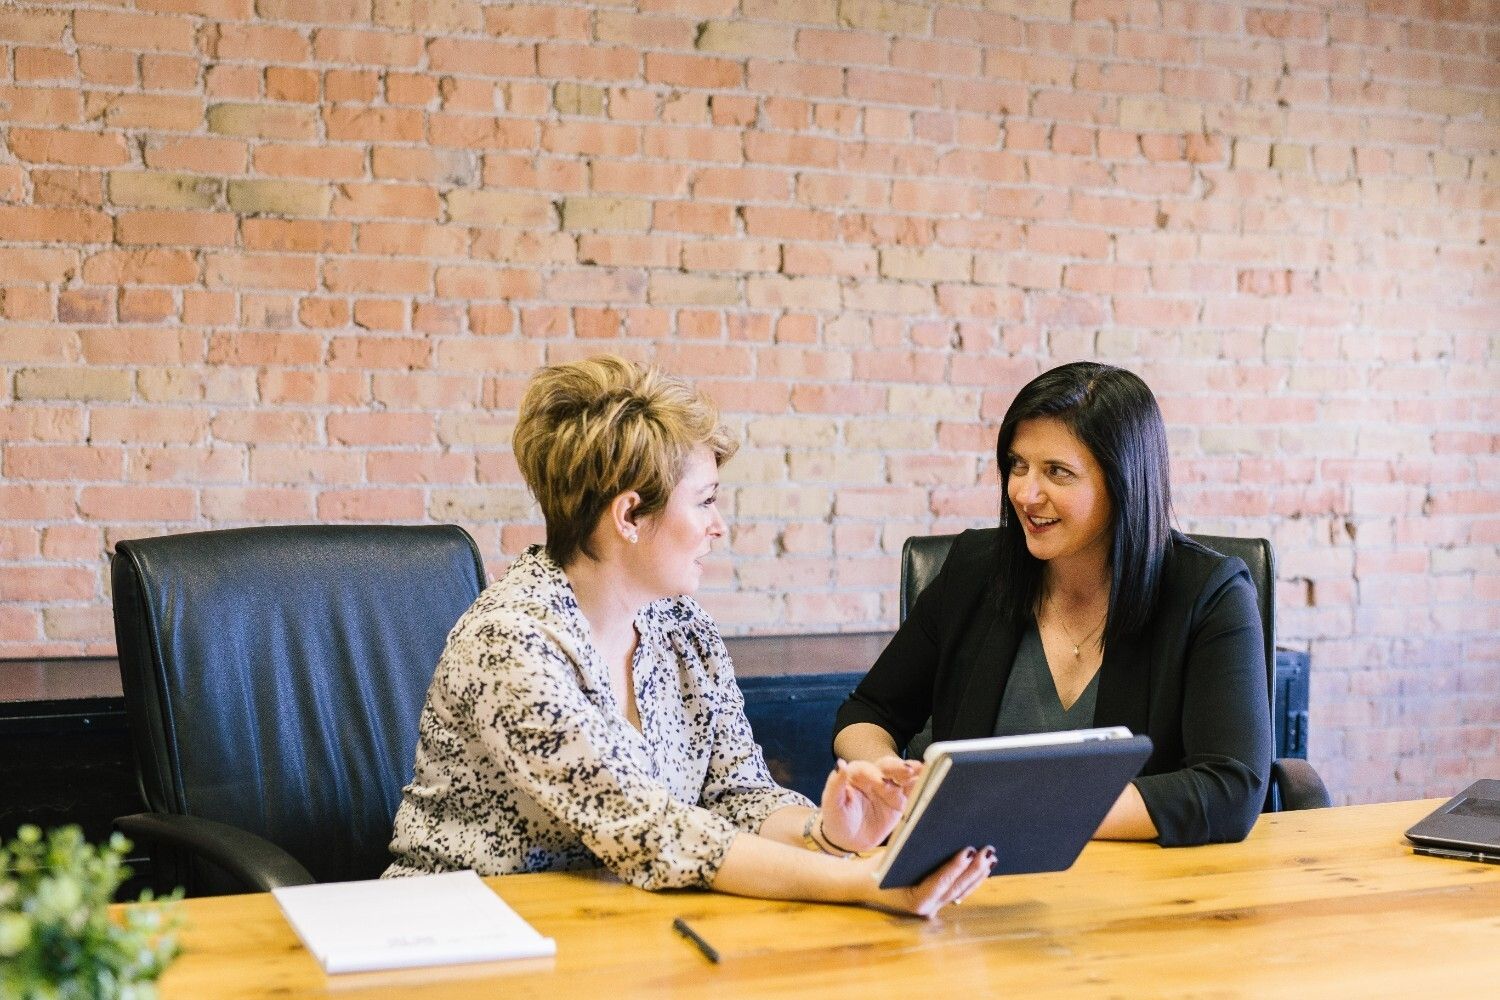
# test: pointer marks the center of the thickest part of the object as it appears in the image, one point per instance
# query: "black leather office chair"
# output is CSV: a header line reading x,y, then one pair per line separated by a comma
x,y
273,678
1294,783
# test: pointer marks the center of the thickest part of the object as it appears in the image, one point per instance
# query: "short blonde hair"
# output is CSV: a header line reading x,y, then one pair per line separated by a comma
x,y
590,430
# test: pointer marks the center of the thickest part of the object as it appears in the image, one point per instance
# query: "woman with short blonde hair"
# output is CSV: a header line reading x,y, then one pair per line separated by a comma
x,y
584,711
594,429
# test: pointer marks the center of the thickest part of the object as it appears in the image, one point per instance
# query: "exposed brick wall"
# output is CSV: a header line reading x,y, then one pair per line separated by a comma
x,y
293,260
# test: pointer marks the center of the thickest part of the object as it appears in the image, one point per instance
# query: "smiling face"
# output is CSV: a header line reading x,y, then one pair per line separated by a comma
x,y
674,540
1057,490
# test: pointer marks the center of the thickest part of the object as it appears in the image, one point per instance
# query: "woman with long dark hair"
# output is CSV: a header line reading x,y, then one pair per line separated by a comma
x,y
1085,608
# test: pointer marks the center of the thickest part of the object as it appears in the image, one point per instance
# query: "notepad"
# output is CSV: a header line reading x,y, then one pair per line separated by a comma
x,y
400,923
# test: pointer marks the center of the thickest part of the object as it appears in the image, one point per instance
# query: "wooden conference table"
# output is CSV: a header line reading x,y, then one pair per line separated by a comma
x,y
1322,903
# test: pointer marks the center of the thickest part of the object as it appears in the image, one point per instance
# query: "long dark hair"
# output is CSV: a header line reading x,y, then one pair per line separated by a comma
x,y
1115,416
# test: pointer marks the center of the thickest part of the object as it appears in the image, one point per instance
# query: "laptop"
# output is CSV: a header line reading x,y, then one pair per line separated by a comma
x,y
1466,827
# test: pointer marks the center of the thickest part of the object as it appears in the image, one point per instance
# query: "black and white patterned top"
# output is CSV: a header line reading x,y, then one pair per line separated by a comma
x,y
525,761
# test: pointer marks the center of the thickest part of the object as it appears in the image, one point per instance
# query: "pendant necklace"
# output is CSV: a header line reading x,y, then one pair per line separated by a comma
x,y
1078,643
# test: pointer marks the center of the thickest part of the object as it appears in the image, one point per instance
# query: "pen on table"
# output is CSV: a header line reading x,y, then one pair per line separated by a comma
x,y
709,951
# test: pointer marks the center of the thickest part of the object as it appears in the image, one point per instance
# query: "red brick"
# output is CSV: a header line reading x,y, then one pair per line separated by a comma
x,y
160,72
53,225
324,162
297,235
301,465
143,31
12,182
587,62
405,467
156,424
141,267
370,504
467,282
410,89
171,228
249,347
461,94
196,154
123,346
20,304
673,69
1284,24
379,352
94,305
425,390
380,429
91,149
261,271
315,11
359,86
683,143
47,584
62,463
164,112
282,386
237,504
37,265
145,305
352,123
483,58
36,502
138,503
402,164
480,132
231,82
259,43
388,200
42,105
108,66
413,239
380,276
380,314
44,64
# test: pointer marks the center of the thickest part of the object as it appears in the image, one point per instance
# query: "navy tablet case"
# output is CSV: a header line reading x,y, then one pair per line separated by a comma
x,y
1037,805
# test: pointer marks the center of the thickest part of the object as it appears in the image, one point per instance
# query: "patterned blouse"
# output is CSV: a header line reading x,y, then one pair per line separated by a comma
x,y
525,761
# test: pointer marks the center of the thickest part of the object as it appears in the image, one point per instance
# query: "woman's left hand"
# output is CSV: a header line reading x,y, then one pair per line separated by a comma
x,y
863,801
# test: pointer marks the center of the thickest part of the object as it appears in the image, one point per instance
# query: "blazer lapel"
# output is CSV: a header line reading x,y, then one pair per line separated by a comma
x,y
991,648
1124,687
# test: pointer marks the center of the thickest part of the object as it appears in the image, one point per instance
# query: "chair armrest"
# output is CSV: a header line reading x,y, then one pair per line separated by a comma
x,y
1299,784
254,861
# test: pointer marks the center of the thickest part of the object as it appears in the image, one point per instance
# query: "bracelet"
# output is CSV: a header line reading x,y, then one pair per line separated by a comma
x,y
813,844
829,841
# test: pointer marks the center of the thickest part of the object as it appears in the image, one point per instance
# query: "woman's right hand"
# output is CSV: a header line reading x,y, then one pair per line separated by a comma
x,y
952,883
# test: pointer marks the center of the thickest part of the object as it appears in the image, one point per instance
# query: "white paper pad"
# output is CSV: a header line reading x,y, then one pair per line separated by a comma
x,y
403,922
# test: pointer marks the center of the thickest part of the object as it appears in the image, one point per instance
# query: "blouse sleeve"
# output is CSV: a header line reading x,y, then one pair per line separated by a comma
x,y
1226,728
738,786
536,722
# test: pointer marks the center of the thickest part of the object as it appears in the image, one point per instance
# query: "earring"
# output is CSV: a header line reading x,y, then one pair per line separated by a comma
x,y
1004,513
632,538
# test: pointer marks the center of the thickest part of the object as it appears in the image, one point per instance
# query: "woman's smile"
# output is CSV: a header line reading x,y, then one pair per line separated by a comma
x,y
1058,491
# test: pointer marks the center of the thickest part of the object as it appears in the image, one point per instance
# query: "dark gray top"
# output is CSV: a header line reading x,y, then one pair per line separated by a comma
x,y
1030,703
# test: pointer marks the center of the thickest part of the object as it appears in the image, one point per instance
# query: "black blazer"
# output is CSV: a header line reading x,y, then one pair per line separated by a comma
x,y
1194,681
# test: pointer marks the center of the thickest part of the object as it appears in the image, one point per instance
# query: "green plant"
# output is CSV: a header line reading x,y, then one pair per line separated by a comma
x,y
58,940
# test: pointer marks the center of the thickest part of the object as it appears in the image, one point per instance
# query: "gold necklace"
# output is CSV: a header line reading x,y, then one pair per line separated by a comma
x,y
1078,643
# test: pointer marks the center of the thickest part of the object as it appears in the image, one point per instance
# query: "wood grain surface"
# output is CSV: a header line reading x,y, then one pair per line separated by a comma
x,y
1321,903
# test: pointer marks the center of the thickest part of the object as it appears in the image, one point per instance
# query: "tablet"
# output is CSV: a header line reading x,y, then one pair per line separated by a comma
x,y
1037,798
